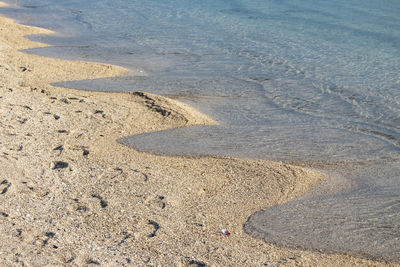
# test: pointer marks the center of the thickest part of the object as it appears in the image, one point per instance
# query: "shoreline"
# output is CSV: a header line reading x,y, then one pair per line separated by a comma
x,y
112,203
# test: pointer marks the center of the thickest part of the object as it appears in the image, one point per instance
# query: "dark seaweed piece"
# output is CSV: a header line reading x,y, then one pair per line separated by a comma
x,y
197,263
49,235
70,260
4,191
23,120
146,177
103,203
90,261
7,185
60,147
59,165
121,171
126,236
64,100
162,203
156,228
19,232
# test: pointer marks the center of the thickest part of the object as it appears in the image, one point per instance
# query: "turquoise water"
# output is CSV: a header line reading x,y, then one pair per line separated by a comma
x,y
287,80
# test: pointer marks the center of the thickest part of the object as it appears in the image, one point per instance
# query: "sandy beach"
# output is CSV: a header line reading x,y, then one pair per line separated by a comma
x,y
71,195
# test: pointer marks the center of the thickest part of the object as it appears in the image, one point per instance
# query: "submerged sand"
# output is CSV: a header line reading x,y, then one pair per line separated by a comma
x,y
72,196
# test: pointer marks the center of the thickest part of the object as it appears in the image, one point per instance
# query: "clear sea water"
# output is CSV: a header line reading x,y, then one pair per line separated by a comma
x,y
311,80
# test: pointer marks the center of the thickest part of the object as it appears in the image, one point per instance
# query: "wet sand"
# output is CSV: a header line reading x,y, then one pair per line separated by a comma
x,y
71,195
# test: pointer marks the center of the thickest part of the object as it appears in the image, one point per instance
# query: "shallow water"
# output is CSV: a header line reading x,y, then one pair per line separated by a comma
x,y
287,80
363,220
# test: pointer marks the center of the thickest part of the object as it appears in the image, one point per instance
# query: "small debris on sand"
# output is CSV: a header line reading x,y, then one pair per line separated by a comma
x,y
58,165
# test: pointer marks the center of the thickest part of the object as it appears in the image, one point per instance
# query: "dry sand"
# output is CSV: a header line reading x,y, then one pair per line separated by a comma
x,y
72,196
